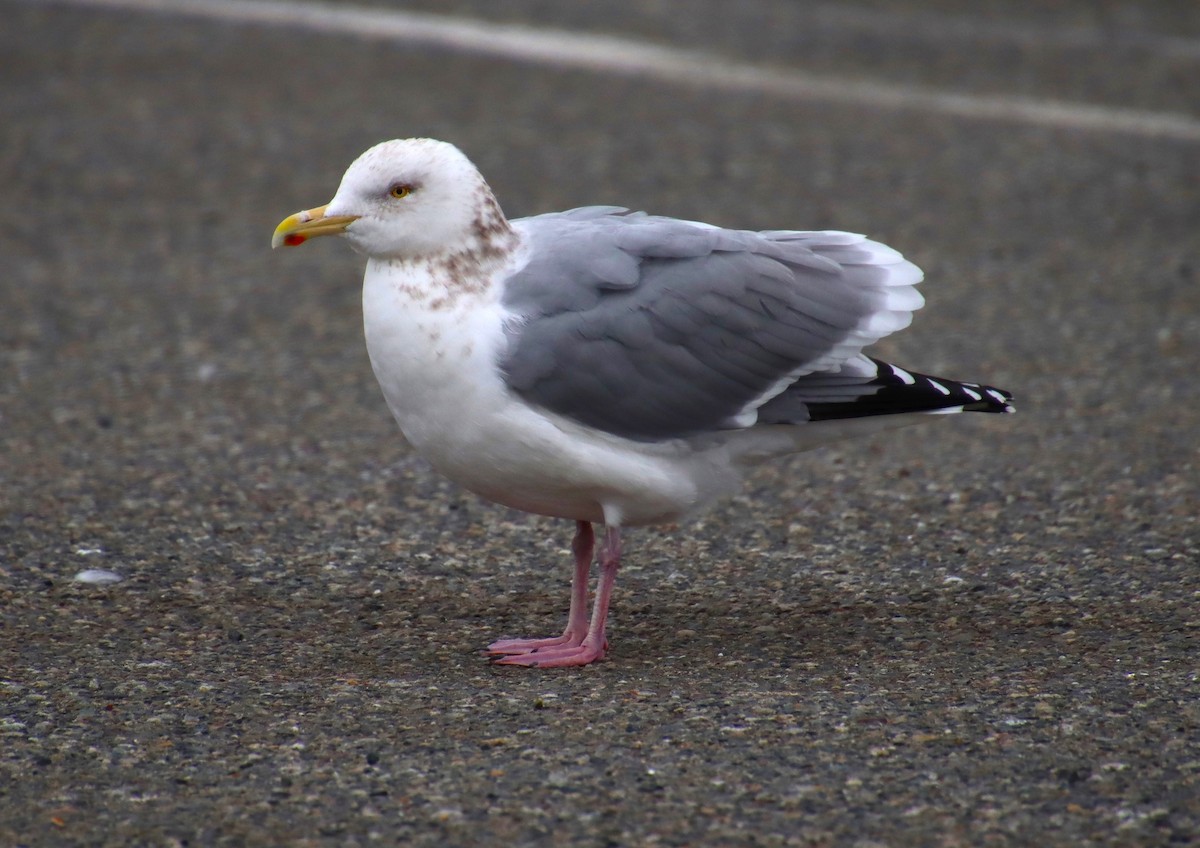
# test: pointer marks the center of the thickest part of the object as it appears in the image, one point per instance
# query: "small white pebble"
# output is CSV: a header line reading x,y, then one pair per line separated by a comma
x,y
97,577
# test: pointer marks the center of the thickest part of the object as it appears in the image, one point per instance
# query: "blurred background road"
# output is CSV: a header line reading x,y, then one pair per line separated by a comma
x,y
980,632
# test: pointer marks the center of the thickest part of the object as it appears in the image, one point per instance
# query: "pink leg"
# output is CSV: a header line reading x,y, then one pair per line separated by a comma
x,y
595,643
582,547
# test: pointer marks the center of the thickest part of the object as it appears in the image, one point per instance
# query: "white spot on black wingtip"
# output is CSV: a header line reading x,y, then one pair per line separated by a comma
x,y
999,398
939,387
971,393
905,378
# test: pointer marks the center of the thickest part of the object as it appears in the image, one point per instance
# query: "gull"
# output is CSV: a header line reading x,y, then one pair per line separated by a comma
x,y
613,367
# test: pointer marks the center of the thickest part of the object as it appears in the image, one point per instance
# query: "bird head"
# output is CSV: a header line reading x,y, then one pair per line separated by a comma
x,y
403,199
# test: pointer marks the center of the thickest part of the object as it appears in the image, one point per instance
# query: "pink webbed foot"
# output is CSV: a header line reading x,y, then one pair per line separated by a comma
x,y
528,646
580,643
558,657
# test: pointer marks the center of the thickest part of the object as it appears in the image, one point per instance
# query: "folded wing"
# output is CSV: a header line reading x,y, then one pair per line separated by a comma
x,y
653,328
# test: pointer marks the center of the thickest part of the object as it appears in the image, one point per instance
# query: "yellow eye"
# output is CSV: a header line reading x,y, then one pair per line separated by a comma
x,y
400,190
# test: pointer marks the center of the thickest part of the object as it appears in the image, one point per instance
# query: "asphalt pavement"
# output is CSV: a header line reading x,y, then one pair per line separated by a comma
x,y
981,632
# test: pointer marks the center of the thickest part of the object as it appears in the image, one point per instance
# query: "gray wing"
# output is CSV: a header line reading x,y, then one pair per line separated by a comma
x,y
653,328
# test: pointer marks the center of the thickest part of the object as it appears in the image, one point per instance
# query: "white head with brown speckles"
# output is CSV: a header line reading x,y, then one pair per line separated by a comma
x,y
407,199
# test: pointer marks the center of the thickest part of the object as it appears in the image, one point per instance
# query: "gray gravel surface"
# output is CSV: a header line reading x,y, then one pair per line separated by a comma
x,y
980,632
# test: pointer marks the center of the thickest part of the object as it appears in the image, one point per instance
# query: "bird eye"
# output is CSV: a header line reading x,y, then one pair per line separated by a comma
x,y
400,190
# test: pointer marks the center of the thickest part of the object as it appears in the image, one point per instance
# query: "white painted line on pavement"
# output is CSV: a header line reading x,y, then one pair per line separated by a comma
x,y
612,54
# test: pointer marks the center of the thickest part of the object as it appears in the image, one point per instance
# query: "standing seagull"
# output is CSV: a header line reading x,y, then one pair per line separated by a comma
x,y
610,366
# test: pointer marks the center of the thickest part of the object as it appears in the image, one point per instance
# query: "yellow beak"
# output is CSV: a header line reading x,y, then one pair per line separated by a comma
x,y
295,230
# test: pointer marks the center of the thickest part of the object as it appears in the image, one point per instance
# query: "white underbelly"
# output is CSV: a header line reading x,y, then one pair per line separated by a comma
x,y
521,458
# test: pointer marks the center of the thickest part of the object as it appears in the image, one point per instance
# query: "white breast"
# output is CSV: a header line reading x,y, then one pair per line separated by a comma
x,y
435,359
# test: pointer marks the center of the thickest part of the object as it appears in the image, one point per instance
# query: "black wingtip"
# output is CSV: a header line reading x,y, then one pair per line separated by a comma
x,y
900,391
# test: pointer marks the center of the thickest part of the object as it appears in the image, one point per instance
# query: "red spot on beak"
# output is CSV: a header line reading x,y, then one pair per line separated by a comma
x,y
293,239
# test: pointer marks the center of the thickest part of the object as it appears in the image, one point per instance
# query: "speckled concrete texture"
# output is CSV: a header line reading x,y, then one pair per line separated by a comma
x,y
981,632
